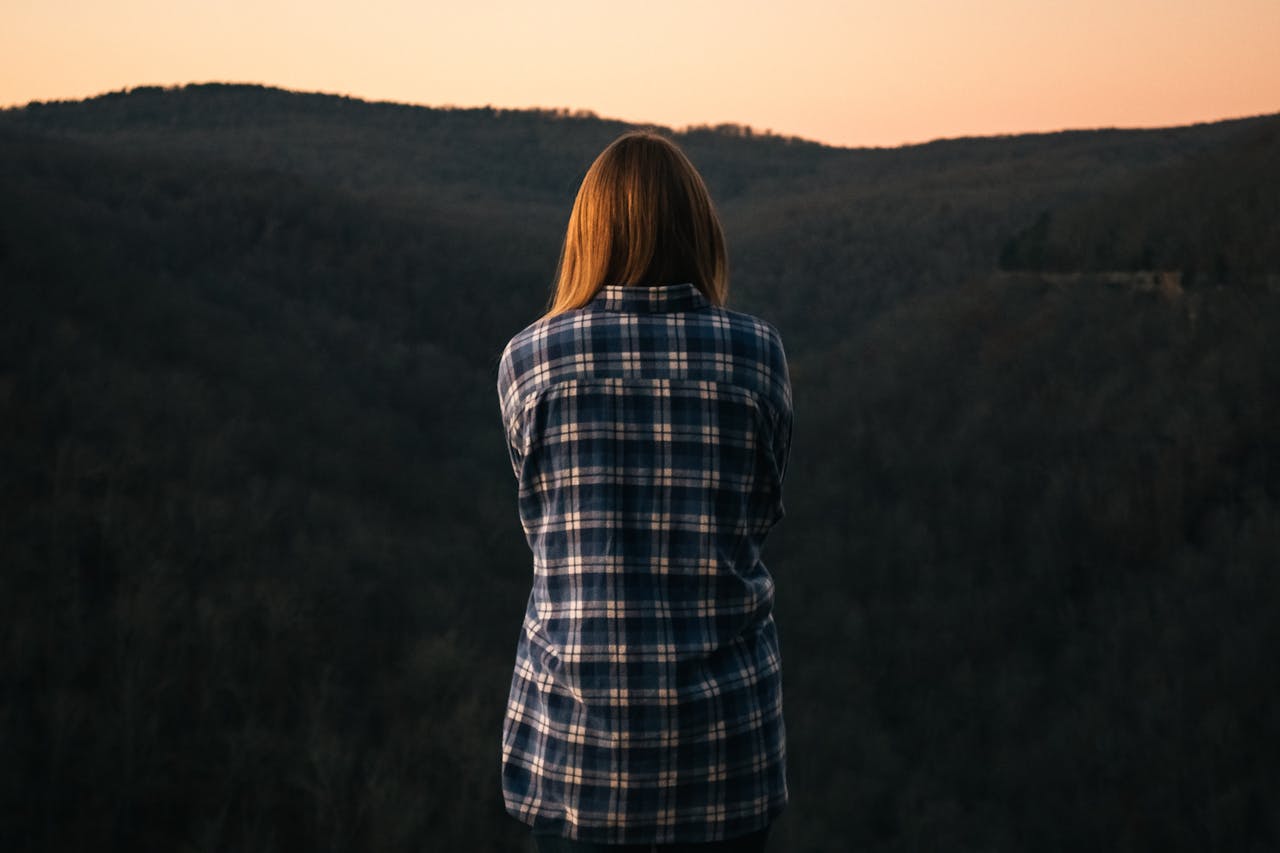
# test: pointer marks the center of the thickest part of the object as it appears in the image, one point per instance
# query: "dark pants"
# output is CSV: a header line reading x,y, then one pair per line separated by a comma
x,y
751,843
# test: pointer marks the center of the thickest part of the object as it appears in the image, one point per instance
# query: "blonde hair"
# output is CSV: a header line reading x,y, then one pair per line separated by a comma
x,y
642,216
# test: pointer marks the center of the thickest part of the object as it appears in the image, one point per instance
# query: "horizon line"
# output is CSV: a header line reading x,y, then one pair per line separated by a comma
x,y
589,114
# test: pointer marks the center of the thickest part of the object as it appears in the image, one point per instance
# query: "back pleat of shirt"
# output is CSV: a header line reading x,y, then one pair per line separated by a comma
x,y
648,433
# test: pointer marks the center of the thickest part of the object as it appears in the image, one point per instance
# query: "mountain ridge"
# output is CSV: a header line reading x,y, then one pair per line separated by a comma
x,y
732,129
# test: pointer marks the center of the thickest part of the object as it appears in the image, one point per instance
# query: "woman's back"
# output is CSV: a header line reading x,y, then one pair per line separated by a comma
x,y
649,431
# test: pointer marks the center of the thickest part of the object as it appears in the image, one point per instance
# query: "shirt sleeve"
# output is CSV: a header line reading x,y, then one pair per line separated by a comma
x,y
784,413
782,442
508,405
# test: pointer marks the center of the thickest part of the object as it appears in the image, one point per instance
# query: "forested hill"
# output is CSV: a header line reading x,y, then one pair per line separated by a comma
x,y
263,572
1213,217
800,215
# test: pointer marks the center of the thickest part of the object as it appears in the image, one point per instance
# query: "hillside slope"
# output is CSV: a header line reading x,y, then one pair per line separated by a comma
x,y
1213,216
263,569
887,223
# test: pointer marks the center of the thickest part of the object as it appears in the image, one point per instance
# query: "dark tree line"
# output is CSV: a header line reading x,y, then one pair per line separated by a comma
x,y
1212,217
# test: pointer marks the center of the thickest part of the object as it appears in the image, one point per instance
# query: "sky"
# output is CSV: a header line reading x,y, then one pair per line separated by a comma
x,y
854,73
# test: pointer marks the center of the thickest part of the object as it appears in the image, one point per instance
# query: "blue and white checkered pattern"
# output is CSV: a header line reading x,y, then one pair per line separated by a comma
x,y
649,432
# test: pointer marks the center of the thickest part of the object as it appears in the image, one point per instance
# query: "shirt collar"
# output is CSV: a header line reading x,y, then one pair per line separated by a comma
x,y
651,298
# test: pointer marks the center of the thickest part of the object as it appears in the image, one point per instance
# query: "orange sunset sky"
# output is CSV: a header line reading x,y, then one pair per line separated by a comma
x,y
846,73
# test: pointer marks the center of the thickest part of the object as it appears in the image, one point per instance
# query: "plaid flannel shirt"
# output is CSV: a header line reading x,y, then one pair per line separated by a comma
x,y
649,433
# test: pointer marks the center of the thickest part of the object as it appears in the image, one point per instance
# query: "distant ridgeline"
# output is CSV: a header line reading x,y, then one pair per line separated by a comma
x,y
1213,218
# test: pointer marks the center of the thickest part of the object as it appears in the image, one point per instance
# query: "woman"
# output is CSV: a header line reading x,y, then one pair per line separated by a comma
x,y
649,428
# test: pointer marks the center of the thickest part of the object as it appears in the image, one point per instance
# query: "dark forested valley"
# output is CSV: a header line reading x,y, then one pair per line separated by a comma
x,y
262,569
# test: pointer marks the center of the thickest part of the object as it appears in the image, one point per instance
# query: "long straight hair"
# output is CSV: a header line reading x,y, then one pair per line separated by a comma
x,y
642,217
